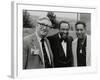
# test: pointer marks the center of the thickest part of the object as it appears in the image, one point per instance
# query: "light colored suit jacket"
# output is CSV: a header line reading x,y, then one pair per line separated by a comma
x,y
88,51
32,60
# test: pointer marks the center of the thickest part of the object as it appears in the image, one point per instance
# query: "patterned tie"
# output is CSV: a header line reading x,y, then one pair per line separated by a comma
x,y
46,59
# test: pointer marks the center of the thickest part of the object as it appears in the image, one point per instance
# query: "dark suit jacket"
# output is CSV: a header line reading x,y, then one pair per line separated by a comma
x,y
60,60
32,60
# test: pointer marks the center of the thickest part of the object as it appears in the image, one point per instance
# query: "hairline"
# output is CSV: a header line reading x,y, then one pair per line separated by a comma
x,y
65,23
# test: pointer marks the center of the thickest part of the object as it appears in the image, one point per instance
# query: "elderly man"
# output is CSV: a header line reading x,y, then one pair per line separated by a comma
x,y
81,45
36,48
61,45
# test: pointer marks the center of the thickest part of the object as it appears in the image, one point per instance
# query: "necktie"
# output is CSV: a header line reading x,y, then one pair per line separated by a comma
x,y
46,60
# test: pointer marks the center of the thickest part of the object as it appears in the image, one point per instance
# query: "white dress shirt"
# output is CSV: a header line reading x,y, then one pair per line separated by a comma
x,y
64,45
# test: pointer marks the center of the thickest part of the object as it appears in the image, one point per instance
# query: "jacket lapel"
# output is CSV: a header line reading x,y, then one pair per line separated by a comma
x,y
49,49
61,51
35,43
74,45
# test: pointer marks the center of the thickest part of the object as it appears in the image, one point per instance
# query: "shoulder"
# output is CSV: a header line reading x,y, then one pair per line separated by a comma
x,y
28,39
88,39
70,38
75,41
88,36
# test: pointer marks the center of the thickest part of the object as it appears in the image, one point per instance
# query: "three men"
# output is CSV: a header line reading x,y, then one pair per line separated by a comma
x,y
81,46
61,45
36,48
62,50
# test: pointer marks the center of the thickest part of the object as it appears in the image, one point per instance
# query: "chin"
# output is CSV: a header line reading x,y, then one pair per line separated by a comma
x,y
80,37
44,34
64,36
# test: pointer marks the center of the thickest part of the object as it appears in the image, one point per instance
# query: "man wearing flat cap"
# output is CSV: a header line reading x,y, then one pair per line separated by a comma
x,y
36,48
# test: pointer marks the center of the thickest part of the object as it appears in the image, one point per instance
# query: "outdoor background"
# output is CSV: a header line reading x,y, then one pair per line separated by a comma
x,y
30,17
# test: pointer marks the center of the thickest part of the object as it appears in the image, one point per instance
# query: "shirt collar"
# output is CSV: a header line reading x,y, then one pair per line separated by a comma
x,y
59,35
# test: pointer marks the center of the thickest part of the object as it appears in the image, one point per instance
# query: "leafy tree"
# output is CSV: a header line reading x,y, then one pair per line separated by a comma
x,y
52,18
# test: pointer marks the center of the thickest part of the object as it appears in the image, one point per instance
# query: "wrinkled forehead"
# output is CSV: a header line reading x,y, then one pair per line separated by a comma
x,y
44,20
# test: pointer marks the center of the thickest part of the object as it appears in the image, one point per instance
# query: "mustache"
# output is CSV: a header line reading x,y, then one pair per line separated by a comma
x,y
64,33
44,30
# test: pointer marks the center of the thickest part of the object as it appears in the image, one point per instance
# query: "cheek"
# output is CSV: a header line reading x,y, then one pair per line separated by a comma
x,y
60,31
67,31
39,31
47,30
83,31
77,32
63,31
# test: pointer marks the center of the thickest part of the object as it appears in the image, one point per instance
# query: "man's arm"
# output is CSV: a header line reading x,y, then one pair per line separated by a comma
x,y
25,53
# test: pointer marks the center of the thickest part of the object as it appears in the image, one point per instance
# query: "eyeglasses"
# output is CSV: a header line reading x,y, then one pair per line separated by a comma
x,y
42,24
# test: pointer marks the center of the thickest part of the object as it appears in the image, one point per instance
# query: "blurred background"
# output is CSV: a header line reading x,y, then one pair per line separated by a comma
x,y
30,18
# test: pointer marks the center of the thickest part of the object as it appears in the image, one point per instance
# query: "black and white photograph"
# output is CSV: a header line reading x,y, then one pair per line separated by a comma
x,y
51,40
54,39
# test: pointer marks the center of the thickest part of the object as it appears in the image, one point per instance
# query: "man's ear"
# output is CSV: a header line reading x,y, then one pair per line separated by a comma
x,y
37,25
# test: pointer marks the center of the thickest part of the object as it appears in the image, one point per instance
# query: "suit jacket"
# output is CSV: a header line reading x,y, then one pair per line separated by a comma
x,y
88,50
60,60
31,61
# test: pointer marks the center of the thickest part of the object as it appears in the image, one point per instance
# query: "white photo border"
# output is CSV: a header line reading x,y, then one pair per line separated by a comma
x,y
17,53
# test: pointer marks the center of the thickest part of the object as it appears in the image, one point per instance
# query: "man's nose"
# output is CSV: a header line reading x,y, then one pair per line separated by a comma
x,y
44,27
79,31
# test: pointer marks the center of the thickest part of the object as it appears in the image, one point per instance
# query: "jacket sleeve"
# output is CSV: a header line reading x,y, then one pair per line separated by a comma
x,y
25,54
88,51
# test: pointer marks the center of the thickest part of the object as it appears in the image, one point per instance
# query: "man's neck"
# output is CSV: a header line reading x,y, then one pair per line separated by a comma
x,y
40,36
83,38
